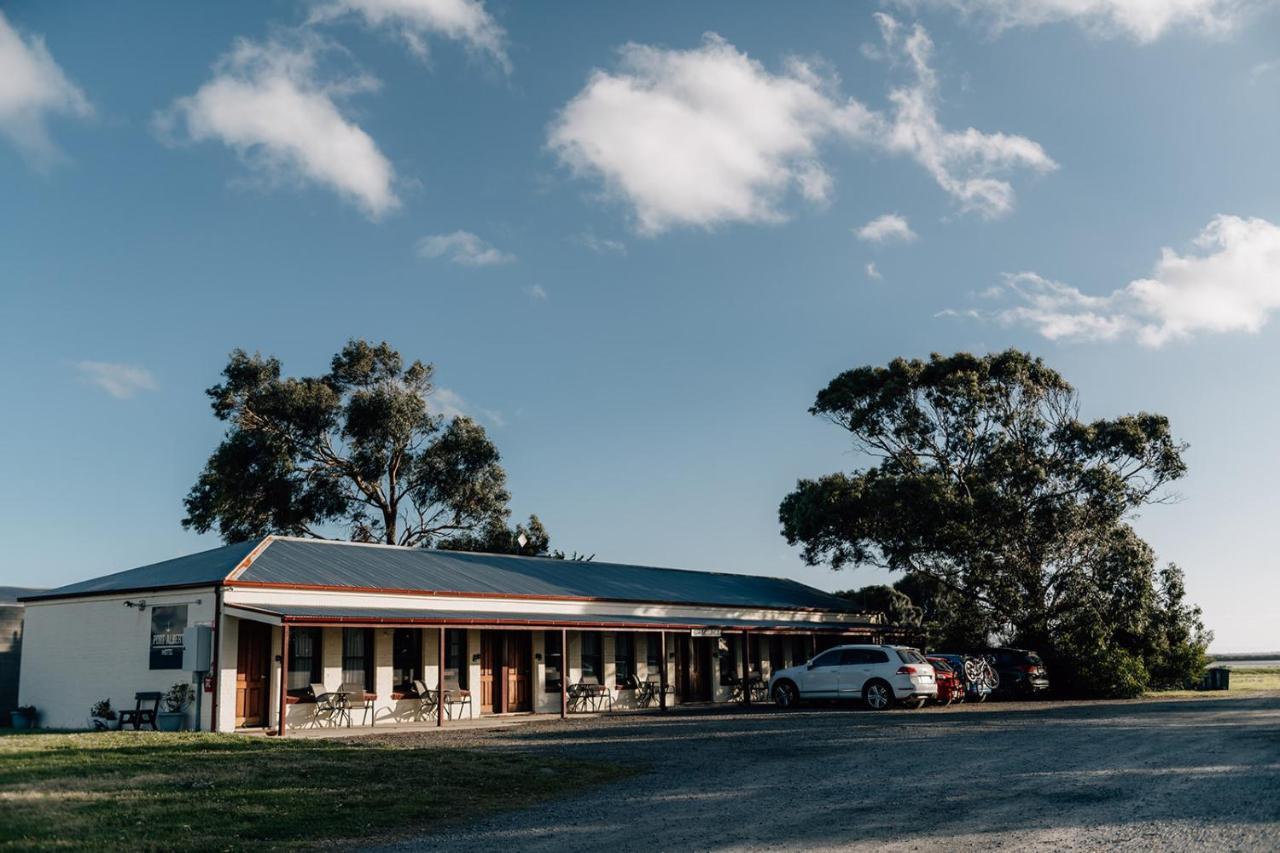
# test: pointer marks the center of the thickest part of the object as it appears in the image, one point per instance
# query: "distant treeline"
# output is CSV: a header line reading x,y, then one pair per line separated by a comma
x,y
1256,656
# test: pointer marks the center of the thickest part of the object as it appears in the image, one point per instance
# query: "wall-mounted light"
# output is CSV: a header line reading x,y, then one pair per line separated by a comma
x,y
475,658
141,604
538,658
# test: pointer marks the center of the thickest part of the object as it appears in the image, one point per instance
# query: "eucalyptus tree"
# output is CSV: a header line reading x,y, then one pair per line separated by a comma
x,y
357,448
983,482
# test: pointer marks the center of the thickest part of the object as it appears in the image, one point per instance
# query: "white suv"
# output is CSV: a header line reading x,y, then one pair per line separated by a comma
x,y
879,675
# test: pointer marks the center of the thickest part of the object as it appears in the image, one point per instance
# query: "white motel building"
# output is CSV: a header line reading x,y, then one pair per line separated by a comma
x,y
382,633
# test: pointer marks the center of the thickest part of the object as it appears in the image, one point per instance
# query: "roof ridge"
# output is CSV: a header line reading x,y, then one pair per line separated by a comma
x,y
308,540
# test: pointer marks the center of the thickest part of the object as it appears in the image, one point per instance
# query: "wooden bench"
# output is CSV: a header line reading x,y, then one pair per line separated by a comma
x,y
140,716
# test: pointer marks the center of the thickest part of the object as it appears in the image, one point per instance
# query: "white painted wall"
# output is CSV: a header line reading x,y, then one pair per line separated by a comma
x,y
77,651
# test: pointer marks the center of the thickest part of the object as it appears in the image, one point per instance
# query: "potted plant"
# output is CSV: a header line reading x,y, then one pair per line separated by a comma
x,y
101,715
25,717
174,717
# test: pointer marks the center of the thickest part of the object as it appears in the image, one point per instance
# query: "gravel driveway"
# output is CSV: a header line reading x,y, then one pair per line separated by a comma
x,y
1149,775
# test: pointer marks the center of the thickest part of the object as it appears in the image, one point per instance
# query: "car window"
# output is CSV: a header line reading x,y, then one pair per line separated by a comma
x,y
939,663
910,656
1033,658
853,657
831,658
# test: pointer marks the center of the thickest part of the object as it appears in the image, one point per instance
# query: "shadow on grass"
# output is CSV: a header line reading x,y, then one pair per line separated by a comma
x,y
159,791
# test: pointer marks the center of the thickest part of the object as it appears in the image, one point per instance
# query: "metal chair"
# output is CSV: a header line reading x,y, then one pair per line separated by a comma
x,y
356,698
428,701
456,694
329,707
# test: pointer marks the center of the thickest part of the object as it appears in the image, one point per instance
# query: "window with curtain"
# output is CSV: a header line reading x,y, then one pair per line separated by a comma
x,y
456,666
653,655
304,658
406,657
592,664
624,658
553,654
357,657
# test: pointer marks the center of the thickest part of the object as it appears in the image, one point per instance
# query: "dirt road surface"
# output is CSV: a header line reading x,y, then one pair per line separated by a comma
x,y
1147,775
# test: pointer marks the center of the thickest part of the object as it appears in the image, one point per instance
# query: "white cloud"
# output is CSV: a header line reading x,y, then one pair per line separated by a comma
x,y
415,21
703,136
1231,284
885,229
269,102
1262,69
707,136
33,88
874,273
121,381
450,403
464,248
600,245
967,163
1140,20
537,293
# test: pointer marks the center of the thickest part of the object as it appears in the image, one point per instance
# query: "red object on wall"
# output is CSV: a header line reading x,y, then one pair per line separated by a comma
x,y
208,684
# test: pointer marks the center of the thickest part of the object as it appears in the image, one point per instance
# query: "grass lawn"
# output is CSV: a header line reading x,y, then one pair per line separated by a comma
x,y
151,791
1243,680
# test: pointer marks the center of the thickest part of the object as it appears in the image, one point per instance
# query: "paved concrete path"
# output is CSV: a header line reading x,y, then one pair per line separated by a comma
x,y
1146,775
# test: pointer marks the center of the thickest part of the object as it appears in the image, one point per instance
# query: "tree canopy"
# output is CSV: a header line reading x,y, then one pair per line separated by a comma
x,y
986,487
357,447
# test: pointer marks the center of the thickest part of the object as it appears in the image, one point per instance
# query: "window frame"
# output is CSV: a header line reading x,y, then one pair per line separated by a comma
x,y
365,656
624,657
315,665
414,650
455,656
594,656
549,655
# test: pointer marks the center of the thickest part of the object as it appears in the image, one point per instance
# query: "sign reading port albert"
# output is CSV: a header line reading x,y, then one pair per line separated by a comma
x,y
167,625
705,632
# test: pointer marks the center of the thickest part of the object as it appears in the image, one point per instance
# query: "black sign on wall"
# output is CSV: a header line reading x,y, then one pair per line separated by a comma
x,y
167,624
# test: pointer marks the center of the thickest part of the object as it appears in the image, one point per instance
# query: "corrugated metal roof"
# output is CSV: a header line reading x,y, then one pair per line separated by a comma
x,y
206,567
492,617
9,595
317,563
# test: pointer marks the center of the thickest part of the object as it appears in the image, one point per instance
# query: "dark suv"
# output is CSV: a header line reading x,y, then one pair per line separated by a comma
x,y
1022,673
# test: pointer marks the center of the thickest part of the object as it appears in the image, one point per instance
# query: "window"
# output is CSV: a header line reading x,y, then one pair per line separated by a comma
x,y
553,654
653,655
406,657
909,656
624,658
592,670
831,658
304,658
357,657
455,654
729,647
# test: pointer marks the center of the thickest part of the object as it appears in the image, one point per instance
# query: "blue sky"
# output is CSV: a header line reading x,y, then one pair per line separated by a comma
x,y
635,241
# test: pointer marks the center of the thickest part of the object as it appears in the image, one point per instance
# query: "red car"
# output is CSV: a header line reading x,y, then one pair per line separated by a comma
x,y
950,685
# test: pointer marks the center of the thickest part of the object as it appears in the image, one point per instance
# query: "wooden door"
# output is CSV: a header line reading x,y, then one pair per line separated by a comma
x,y
693,668
490,664
519,671
252,673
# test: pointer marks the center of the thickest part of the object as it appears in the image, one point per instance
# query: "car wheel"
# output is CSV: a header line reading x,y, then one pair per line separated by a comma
x,y
878,695
785,695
